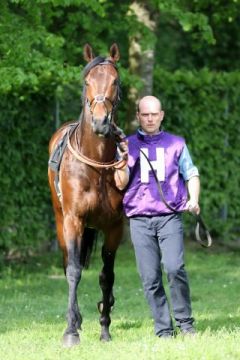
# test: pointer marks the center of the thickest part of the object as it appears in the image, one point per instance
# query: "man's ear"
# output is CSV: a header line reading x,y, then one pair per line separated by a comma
x,y
137,116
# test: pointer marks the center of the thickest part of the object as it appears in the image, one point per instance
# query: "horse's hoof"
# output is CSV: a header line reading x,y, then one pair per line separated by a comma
x,y
70,340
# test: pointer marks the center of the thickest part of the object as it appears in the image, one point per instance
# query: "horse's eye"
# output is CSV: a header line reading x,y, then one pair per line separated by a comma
x,y
86,83
115,82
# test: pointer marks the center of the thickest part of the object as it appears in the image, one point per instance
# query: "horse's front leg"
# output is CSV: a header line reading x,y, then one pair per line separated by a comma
x,y
72,234
106,281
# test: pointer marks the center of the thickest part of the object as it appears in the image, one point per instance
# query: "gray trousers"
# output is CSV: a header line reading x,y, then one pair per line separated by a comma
x,y
159,240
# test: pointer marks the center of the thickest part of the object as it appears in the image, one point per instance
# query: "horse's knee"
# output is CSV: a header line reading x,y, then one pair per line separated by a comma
x,y
73,275
106,280
73,271
108,258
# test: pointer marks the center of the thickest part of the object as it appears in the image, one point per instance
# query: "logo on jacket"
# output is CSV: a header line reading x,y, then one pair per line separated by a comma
x,y
157,164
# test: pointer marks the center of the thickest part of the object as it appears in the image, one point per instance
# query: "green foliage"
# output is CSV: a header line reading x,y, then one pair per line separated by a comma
x,y
25,199
41,45
40,51
204,107
197,34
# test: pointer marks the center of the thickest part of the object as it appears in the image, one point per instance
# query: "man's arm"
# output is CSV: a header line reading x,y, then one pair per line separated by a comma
x,y
193,185
121,176
191,176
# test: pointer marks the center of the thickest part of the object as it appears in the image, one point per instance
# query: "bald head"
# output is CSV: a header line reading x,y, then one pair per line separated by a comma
x,y
150,115
149,100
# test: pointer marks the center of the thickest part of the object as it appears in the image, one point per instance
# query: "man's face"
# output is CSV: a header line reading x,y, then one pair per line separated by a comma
x,y
150,116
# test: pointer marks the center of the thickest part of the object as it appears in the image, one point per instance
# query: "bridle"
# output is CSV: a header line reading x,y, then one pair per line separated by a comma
x,y
101,98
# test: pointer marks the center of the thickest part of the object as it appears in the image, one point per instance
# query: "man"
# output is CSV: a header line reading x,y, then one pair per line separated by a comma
x,y
156,231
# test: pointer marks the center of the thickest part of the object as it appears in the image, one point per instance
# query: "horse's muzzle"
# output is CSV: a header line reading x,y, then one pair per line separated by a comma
x,y
101,127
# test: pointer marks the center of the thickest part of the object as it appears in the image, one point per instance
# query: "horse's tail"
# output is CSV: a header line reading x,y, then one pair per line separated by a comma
x,y
88,242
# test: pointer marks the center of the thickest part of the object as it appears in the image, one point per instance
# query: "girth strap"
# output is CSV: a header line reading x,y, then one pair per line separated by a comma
x,y
56,156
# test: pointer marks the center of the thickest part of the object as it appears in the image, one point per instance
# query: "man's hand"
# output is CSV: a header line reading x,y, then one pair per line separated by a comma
x,y
123,150
193,207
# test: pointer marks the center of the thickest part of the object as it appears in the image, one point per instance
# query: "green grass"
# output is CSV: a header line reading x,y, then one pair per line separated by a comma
x,y
33,299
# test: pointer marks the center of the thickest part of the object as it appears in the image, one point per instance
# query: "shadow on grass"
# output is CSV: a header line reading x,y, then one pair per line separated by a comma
x,y
40,263
30,265
218,324
129,324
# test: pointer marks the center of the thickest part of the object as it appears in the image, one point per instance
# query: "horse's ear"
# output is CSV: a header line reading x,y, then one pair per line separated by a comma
x,y
114,52
88,53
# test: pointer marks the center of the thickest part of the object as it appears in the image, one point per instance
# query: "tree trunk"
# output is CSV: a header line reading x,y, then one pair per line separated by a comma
x,y
141,61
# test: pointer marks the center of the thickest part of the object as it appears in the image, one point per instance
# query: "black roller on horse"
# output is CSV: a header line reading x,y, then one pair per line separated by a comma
x,y
83,160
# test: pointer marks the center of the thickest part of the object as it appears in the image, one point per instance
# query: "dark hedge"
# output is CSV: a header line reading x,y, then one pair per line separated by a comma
x,y
202,106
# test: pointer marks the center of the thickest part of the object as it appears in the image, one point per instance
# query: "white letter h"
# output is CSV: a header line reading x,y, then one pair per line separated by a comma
x,y
158,165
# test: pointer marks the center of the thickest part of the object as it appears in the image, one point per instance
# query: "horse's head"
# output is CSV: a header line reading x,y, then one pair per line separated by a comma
x,y
101,88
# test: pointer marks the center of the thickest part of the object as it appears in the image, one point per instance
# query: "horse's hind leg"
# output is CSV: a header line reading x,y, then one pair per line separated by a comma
x,y
73,273
106,281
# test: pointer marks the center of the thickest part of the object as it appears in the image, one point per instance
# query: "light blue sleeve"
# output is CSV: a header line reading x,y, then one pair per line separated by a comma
x,y
186,166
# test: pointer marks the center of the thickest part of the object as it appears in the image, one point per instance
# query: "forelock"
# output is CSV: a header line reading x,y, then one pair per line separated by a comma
x,y
96,61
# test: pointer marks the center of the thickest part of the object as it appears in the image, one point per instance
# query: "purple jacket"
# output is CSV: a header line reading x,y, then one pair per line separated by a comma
x,y
142,197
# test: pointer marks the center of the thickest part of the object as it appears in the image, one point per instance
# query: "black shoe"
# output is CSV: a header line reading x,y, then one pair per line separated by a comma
x,y
166,335
188,331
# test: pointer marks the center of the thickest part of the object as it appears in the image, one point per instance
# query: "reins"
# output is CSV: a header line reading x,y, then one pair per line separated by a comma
x,y
200,225
119,164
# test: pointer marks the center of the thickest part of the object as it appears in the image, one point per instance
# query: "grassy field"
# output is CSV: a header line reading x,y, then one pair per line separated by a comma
x,y
33,298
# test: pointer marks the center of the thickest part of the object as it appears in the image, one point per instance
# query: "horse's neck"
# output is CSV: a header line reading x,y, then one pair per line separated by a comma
x,y
91,145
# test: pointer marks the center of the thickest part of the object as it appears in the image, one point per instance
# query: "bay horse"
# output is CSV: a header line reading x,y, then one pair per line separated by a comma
x,y
84,193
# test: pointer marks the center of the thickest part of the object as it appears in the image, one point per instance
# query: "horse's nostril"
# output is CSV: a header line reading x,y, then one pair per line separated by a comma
x,y
105,121
99,122
101,127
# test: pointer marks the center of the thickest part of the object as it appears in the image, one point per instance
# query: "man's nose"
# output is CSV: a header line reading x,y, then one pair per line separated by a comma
x,y
150,116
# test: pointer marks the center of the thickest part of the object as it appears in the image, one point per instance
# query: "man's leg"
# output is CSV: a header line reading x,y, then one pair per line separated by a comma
x,y
172,247
149,266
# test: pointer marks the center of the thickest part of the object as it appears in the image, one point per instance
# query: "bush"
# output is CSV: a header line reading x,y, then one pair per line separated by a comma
x,y
25,206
